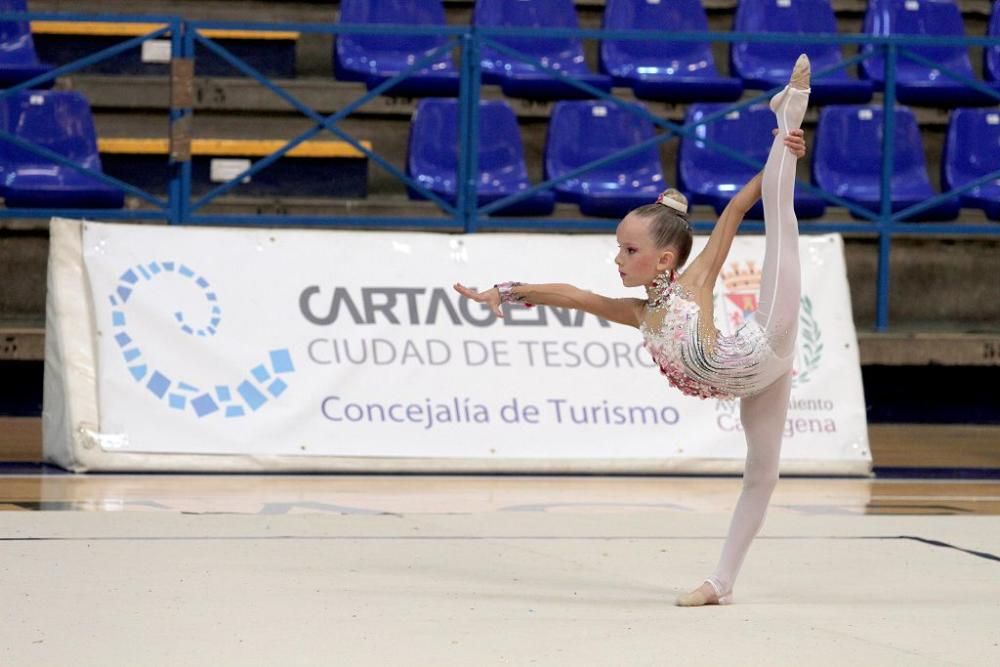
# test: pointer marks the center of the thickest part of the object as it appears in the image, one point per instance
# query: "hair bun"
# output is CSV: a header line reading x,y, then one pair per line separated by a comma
x,y
675,199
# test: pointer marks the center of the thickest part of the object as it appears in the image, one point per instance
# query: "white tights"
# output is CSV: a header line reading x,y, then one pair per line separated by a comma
x,y
763,414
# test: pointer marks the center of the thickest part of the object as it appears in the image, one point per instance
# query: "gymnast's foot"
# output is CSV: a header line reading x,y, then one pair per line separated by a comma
x,y
799,80
800,73
704,595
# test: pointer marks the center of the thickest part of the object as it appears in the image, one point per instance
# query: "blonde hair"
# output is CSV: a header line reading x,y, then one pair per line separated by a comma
x,y
668,223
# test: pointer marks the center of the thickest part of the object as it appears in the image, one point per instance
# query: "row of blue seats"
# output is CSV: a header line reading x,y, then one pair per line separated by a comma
x,y
677,72
846,158
670,71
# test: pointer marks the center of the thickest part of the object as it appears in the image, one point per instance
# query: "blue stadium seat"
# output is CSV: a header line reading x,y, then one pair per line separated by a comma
x,y
61,122
709,177
432,158
991,56
18,60
763,66
663,70
582,132
916,83
972,150
847,160
375,58
517,78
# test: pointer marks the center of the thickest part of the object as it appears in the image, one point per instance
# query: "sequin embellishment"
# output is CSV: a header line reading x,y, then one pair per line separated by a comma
x,y
737,365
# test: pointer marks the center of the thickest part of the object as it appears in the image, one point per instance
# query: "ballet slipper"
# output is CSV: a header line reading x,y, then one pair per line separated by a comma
x,y
698,599
800,73
798,81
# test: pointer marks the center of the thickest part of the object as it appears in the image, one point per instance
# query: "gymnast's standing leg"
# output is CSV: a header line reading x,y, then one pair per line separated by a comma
x,y
763,415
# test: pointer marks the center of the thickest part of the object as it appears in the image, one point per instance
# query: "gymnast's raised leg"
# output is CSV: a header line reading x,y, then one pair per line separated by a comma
x,y
763,415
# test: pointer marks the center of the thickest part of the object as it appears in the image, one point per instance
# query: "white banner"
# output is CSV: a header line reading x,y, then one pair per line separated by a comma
x,y
337,343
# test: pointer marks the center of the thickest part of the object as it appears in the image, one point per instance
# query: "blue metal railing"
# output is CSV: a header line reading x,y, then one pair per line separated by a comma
x,y
465,214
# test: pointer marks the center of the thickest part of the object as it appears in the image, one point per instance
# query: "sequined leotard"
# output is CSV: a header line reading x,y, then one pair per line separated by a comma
x,y
734,366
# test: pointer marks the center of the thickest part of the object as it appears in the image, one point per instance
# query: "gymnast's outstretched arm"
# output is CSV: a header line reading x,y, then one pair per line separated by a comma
x,y
623,311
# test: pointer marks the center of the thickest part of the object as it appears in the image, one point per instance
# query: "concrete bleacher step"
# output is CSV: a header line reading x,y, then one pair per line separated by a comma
x,y
148,93
20,439
271,52
316,168
935,446
20,342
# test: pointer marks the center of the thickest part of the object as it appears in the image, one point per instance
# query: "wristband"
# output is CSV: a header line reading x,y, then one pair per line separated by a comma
x,y
507,293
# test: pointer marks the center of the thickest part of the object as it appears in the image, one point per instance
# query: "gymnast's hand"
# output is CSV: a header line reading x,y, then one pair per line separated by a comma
x,y
490,297
795,141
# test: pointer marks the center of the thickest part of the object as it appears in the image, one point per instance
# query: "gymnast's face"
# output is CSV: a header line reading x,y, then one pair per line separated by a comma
x,y
639,260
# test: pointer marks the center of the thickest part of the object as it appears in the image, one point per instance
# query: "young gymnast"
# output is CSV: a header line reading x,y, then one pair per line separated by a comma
x,y
676,320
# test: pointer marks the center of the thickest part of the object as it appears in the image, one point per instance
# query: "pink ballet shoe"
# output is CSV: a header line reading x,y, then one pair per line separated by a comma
x,y
799,80
800,73
698,599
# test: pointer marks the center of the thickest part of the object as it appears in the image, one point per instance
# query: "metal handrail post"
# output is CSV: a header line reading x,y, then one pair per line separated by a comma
x,y
471,153
462,173
178,116
186,167
888,160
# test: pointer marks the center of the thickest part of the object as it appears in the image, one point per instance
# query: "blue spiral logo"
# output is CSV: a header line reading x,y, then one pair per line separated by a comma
x,y
260,384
